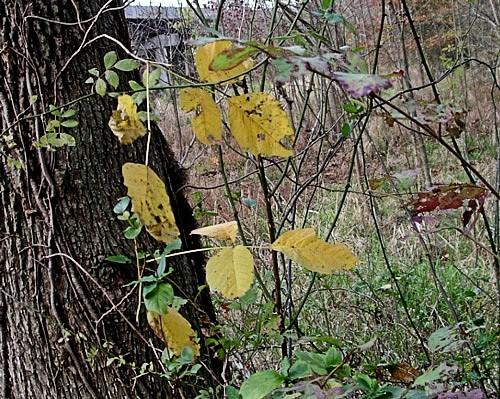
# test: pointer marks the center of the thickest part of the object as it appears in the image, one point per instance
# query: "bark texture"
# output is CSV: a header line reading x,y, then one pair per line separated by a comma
x,y
57,223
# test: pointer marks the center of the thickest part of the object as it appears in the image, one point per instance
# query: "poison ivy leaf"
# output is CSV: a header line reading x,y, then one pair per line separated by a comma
x,y
150,201
152,78
100,87
259,125
125,123
69,113
127,64
261,384
222,231
231,58
205,55
360,84
305,248
207,123
175,330
112,78
109,59
135,86
158,297
230,271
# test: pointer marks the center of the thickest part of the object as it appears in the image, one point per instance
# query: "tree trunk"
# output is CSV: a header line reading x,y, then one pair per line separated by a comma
x,y
57,223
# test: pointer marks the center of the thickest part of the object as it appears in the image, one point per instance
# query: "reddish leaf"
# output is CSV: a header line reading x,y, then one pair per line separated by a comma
x,y
443,197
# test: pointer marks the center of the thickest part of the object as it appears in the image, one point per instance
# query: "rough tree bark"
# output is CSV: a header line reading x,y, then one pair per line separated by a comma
x,y
61,203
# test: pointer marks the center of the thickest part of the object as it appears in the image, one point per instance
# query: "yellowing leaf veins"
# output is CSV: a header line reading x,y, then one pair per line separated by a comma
x,y
175,330
230,271
259,125
207,125
125,122
306,249
150,201
204,56
222,231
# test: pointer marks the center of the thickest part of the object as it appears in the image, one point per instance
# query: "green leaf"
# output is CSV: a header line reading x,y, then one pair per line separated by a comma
x,y
100,87
70,123
326,4
132,232
333,358
69,113
232,392
127,64
435,373
94,72
315,360
261,384
158,297
346,130
33,99
122,205
173,246
154,76
110,59
299,371
55,140
135,86
119,259
112,78
231,58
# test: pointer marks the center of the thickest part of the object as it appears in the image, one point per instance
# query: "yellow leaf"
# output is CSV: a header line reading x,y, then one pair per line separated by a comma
x,y
207,125
259,125
230,271
150,201
305,248
125,122
222,231
175,330
204,56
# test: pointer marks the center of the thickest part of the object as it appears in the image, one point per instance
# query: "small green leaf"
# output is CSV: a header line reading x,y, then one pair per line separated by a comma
x,y
326,4
135,86
299,371
112,78
69,113
94,72
110,59
55,140
122,205
173,246
69,123
89,81
261,384
232,392
154,76
158,297
132,232
33,99
346,130
100,87
250,202
127,64
122,259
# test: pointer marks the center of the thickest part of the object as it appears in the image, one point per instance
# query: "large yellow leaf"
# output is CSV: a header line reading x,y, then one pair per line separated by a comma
x,y
125,122
230,271
204,56
222,231
259,125
175,330
305,248
150,201
207,123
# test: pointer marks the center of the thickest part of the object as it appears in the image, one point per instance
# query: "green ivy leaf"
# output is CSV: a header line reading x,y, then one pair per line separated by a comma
x,y
132,232
110,59
135,86
122,205
299,371
70,123
112,78
122,259
261,384
127,64
158,297
55,140
94,72
100,87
